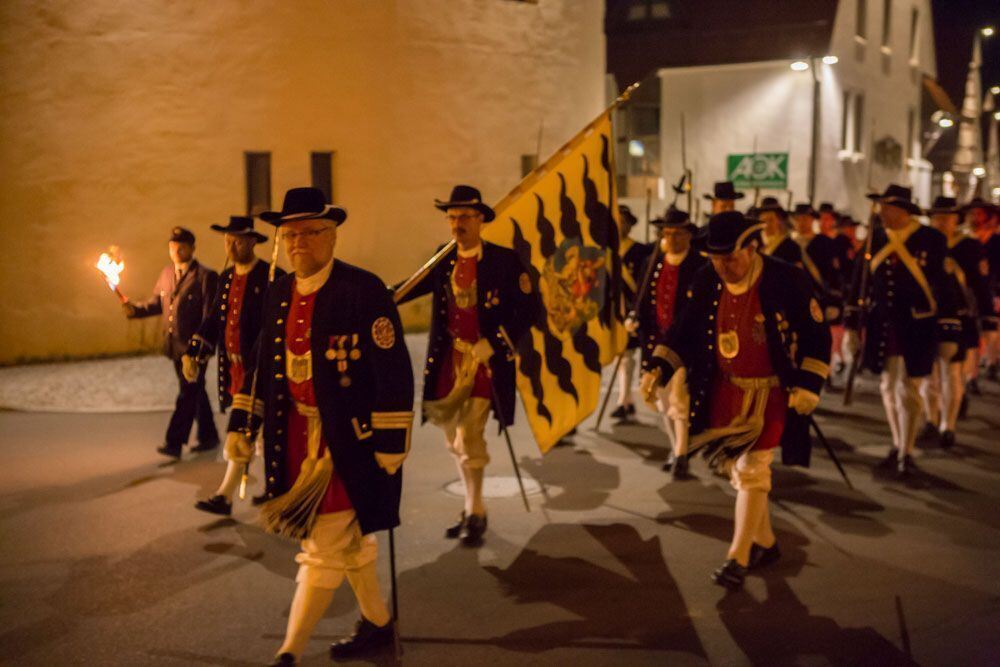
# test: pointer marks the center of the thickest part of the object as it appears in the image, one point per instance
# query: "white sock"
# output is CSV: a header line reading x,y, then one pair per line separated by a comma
x,y
364,583
308,606
474,491
750,508
231,482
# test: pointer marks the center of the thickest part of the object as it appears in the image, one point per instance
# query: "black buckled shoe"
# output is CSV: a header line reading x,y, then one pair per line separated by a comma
x,y
215,505
630,411
763,556
928,433
668,465
367,637
283,660
620,414
680,468
472,531
453,531
905,467
891,461
947,440
167,450
730,575
205,446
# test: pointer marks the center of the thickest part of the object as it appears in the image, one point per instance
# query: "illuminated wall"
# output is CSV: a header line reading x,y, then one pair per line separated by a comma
x,y
120,120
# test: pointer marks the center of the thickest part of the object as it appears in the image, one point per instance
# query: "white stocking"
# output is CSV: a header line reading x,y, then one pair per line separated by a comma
x,y
308,606
364,583
626,375
231,482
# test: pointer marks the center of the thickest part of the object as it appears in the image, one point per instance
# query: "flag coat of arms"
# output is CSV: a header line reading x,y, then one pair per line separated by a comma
x,y
562,222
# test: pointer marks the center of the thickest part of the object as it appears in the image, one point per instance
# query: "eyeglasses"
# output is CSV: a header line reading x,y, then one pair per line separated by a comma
x,y
464,217
308,234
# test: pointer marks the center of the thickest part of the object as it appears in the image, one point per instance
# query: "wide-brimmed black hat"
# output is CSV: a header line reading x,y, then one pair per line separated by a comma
x,y
943,205
827,207
466,196
804,208
898,196
724,190
675,218
181,235
625,213
305,204
979,202
727,232
770,204
240,225
846,221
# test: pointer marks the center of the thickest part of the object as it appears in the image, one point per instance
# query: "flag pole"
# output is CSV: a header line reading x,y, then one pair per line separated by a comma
x,y
498,411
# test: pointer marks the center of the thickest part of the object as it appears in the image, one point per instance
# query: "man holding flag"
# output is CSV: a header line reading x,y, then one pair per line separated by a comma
x,y
634,256
483,304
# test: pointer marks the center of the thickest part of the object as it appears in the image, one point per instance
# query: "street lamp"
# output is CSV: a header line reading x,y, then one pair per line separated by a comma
x,y
799,66
830,60
979,172
987,31
995,90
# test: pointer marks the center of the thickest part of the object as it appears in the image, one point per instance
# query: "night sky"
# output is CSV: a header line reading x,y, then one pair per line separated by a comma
x,y
955,22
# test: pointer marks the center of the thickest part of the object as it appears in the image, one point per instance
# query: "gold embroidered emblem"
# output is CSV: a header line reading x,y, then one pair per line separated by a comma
x,y
383,333
729,344
815,311
524,282
298,367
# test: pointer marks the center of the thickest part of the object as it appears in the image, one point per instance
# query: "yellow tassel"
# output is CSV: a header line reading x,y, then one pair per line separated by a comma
x,y
292,514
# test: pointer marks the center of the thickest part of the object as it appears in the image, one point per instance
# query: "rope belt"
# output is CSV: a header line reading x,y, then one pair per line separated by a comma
x,y
725,444
443,410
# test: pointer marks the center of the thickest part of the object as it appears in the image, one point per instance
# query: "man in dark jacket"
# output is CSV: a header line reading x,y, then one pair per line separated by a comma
x,y
756,350
776,240
634,256
984,218
675,266
481,306
183,297
911,317
231,327
334,392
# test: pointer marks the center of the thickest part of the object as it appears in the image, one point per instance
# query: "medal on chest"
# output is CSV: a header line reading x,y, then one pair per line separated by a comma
x,y
729,344
465,297
298,367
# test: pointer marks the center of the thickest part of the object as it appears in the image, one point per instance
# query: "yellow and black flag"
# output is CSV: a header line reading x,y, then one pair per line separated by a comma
x,y
561,220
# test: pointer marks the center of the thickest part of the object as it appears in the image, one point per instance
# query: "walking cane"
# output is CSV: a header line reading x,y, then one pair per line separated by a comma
x,y
498,411
829,450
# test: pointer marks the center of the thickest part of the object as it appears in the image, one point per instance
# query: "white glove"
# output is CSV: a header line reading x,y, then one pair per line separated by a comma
x,y
482,351
648,385
237,448
850,345
947,351
189,368
631,325
389,462
803,401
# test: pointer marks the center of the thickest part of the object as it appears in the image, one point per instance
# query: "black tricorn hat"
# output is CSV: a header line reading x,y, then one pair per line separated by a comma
x,y
771,204
466,196
724,190
827,207
943,204
898,196
727,232
675,218
625,213
305,204
979,202
240,225
805,208
181,235
847,221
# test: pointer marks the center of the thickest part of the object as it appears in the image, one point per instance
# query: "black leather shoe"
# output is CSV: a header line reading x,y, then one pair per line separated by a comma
x,y
172,452
215,505
630,411
928,433
472,531
891,461
762,557
972,387
205,446
680,468
730,575
367,637
905,467
283,660
668,465
947,440
453,531
620,413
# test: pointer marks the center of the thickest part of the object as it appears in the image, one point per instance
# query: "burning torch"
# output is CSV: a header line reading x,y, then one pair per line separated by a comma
x,y
111,265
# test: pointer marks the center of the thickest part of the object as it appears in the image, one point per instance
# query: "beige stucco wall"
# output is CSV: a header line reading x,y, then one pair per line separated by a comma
x,y
120,120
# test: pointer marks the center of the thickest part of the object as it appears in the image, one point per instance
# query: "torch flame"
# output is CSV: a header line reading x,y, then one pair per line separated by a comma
x,y
111,268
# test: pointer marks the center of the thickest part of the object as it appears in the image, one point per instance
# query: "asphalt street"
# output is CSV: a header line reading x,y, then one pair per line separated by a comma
x,y
103,559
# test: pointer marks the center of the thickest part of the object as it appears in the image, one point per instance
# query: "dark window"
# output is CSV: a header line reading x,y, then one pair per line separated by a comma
x,y
886,22
659,10
861,19
859,118
914,20
910,128
321,166
845,125
636,11
258,171
640,10
528,163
